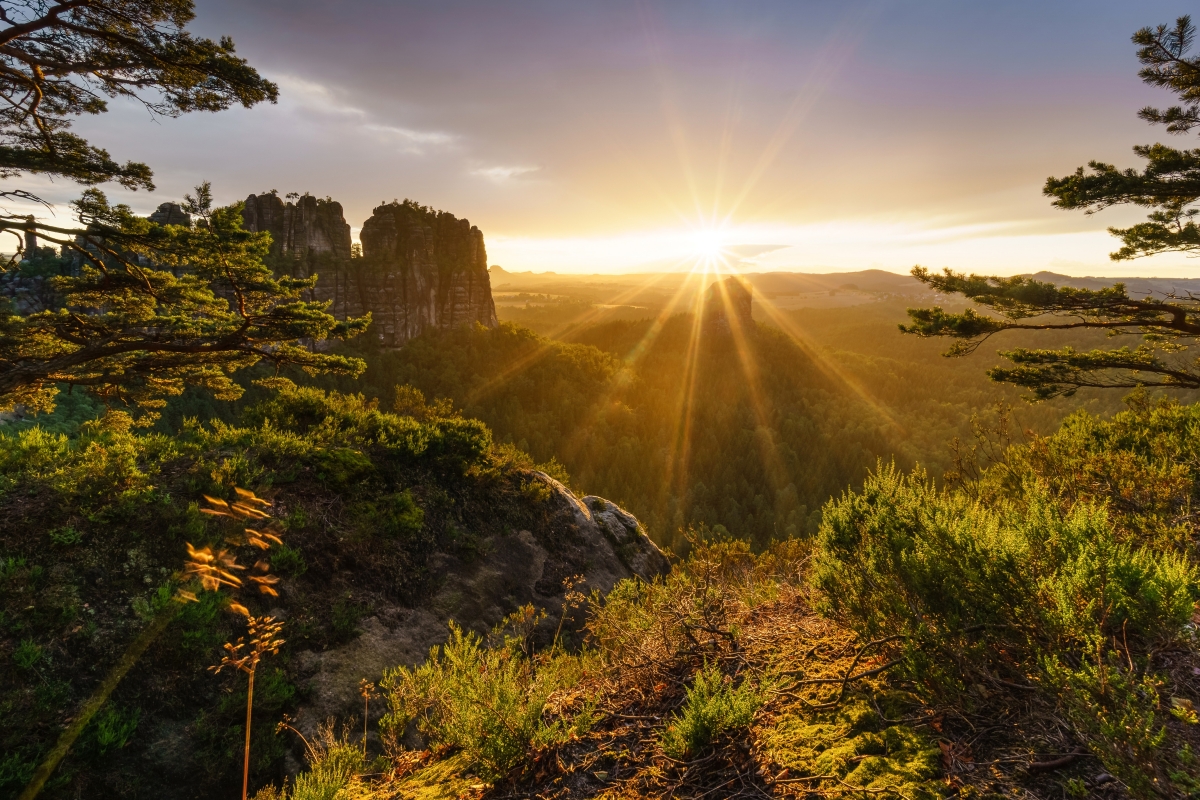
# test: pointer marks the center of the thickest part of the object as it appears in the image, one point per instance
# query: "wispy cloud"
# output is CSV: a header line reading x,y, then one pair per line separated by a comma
x,y
503,173
312,97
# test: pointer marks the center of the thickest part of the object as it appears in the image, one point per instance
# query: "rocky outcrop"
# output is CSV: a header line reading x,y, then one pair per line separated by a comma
x,y
420,269
301,230
594,538
171,214
28,294
727,305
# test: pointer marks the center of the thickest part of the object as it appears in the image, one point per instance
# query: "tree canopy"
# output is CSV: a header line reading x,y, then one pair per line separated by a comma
x,y
1169,185
143,309
135,334
61,60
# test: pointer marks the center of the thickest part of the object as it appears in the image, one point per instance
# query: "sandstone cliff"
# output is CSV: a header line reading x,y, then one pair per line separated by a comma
x,y
420,268
302,229
424,269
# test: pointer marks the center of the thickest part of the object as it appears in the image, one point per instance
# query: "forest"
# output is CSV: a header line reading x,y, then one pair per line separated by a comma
x,y
690,535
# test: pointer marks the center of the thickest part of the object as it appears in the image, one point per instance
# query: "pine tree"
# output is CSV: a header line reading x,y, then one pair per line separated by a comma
x,y
150,308
1169,185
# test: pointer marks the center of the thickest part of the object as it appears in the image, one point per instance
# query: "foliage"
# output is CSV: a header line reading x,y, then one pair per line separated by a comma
x,y
1050,570
28,654
486,701
289,561
856,742
141,310
832,393
713,706
134,497
130,333
396,515
330,770
112,728
1024,303
670,669
114,48
1168,325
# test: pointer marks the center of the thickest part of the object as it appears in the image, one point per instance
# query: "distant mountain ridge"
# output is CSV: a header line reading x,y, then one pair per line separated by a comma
x,y
1135,286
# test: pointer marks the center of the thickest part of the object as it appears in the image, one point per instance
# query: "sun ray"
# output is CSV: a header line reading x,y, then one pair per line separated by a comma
x,y
838,49
635,354
675,469
772,464
828,366
528,360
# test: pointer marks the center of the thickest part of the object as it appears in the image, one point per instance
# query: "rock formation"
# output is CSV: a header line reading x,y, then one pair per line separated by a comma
x,y
309,227
726,304
594,538
420,268
424,269
171,214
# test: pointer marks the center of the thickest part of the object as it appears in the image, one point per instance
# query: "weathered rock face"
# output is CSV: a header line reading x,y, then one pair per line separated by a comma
x,y
171,214
300,230
28,294
426,269
726,304
420,269
518,569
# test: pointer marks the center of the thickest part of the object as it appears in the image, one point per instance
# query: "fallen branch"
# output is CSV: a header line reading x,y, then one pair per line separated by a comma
x,y
1057,763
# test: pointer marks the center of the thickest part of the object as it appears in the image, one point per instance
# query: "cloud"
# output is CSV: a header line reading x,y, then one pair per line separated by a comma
x,y
311,97
414,136
502,173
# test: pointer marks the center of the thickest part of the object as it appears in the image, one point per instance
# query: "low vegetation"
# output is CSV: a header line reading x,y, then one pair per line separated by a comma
x,y
96,532
1027,631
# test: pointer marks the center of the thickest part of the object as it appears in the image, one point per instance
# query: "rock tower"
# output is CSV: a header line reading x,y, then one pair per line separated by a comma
x,y
420,268
727,303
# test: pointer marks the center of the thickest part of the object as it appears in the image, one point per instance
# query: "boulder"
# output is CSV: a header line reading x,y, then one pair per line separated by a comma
x,y
594,538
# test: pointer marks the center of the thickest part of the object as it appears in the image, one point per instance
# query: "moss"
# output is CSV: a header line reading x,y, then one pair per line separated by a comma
x,y
448,779
857,747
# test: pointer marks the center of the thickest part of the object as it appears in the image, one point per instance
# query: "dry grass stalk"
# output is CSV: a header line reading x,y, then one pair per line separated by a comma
x,y
264,640
367,689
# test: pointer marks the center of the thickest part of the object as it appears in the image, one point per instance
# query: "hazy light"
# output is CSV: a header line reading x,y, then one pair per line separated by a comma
x,y
1001,248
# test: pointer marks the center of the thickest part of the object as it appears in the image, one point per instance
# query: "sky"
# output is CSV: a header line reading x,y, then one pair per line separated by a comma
x,y
639,136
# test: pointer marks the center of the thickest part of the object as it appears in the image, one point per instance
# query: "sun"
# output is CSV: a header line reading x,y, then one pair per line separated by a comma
x,y
706,245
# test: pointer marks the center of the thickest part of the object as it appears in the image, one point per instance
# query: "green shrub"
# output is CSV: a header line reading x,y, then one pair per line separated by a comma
x,y
150,606
903,557
332,765
15,771
345,617
27,654
486,701
112,729
341,465
713,706
200,623
288,561
396,515
1115,709
65,536
1021,583
10,566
